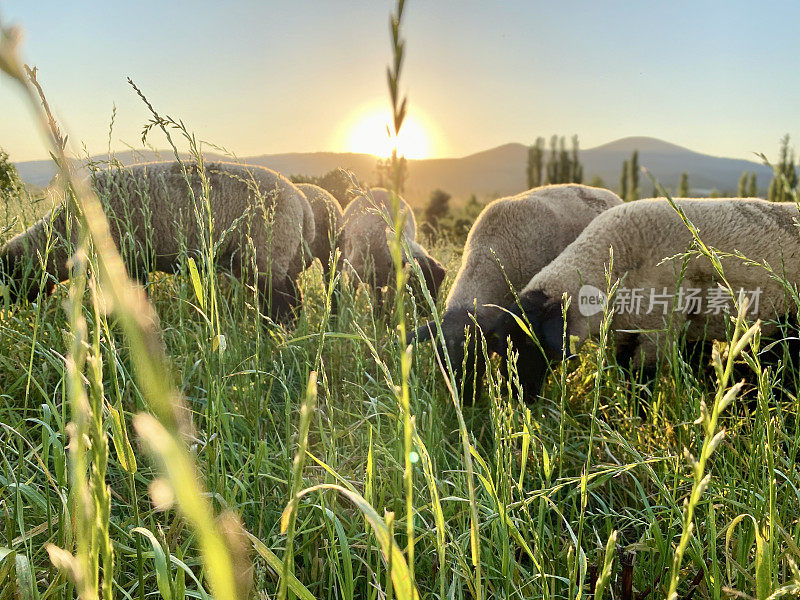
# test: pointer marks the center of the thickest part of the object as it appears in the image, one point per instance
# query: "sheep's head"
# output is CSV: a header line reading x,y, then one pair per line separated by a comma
x,y
541,345
17,274
463,346
433,272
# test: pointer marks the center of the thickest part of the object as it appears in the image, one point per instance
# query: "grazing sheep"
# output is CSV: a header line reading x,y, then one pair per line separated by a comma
x,y
512,240
365,245
327,221
154,216
649,241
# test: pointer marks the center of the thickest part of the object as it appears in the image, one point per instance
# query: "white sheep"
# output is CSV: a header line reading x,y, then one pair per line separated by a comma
x,y
327,220
649,241
512,239
155,216
365,245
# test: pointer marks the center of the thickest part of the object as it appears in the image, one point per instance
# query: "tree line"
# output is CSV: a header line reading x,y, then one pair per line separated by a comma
x,y
563,166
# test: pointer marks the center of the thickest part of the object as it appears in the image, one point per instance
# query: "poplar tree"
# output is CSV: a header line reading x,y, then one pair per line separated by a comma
x,y
562,165
752,186
633,188
683,188
577,167
743,184
623,181
784,181
535,163
552,164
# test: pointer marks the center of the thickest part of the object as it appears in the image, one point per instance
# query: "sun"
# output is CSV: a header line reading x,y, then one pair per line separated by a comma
x,y
367,133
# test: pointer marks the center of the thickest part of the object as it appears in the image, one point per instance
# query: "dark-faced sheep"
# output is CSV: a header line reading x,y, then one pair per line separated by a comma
x,y
654,302
327,222
156,212
365,242
512,240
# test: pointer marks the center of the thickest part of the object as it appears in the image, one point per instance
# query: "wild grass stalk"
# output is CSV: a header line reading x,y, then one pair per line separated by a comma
x,y
290,518
399,107
601,363
725,395
139,322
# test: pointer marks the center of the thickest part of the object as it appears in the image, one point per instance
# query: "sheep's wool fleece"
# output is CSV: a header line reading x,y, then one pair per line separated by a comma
x,y
650,240
364,235
151,206
516,237
327,219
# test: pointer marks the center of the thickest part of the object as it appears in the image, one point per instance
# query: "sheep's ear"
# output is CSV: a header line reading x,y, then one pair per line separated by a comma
x,y
433,273
423,333
496,333
553,334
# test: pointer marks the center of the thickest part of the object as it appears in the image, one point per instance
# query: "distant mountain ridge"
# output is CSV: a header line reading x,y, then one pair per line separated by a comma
x,y
491,173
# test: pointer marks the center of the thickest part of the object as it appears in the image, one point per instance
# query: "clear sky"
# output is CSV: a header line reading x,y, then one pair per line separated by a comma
x,y
302,75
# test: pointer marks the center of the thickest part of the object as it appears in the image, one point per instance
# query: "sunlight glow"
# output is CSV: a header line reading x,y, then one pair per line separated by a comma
x,y
367,133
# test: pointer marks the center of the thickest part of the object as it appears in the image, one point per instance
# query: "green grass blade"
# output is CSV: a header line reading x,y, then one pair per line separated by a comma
x,y
276,564
163,578
404,588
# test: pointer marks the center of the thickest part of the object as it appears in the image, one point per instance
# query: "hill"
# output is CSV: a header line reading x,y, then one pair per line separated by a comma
x,y
492,173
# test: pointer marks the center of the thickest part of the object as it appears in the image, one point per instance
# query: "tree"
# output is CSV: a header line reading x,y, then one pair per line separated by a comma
x,y
456,225
784,181
597,181
535,163
562,165
577,167
752,186
392,172
564,162
748,185
438,207
10,182
336,182
552,164
471,210
633,187
743,184
623,181
629,179
683,187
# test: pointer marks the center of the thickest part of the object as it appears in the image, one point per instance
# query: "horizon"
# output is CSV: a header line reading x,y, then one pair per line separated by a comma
x,y
478,76
491,173
211,150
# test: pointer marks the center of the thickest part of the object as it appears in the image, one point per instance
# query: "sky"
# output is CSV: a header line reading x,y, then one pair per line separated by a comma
x,y
258,77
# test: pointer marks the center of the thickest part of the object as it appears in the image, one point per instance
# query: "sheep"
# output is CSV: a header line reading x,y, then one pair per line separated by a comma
x,y
327,221
365,246
154,215
650,241
512,239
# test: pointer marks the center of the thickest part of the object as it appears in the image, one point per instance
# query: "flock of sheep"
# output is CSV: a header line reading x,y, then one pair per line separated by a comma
x,y
523,255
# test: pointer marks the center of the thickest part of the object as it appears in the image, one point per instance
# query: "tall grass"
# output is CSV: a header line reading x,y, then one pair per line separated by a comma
x,y
338,467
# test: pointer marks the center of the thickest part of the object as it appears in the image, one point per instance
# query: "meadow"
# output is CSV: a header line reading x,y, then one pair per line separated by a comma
x,y
542,488
324,459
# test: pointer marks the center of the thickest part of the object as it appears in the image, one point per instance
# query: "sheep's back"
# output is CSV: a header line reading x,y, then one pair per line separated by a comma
x,y
327,218
650,241
514,238
364,233
164,205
